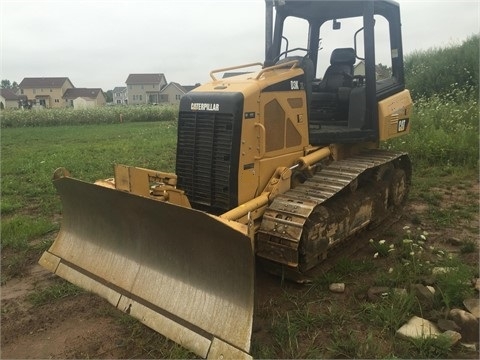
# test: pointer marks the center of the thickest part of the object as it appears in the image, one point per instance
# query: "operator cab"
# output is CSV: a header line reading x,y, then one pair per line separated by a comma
x,y
351,54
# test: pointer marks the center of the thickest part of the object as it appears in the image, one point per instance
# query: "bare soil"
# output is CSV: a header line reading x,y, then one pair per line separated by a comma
x,y
86,326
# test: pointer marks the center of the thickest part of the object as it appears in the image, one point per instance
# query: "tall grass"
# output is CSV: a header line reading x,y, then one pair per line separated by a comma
x,y
93,116
445,129
434,71
444,86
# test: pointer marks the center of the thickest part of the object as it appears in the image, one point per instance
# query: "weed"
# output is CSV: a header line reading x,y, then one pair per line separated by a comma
x,y
54,292
446,131
262,351
337,316
453,286
432,198
442,217
389,313
468,247
146,343
430,347
352,344
381,248
411,252
323,281
285,334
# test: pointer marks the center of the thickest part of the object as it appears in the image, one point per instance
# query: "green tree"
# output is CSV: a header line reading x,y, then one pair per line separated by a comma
x,y
109,95
6,84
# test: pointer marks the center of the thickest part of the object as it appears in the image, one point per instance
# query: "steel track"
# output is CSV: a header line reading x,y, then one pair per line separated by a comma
x,y
286,221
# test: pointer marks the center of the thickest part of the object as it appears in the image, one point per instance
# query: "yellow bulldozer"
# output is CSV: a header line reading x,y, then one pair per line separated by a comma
x,y
277,162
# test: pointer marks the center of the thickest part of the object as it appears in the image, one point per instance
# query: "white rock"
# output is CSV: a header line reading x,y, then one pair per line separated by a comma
x,y
337,287
418,327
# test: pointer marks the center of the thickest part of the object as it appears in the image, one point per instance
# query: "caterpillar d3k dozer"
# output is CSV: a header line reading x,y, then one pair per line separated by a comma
x,y
279,162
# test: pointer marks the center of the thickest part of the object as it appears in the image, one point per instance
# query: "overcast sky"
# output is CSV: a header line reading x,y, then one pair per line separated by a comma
x,y
98,43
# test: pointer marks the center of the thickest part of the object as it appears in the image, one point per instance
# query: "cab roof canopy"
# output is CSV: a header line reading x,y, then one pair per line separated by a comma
x,y
320,11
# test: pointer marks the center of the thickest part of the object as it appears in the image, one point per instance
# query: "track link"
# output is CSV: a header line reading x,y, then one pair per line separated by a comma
x,y
301,225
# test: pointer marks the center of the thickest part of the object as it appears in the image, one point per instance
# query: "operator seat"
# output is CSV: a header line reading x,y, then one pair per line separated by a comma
x,y
340,72
330,97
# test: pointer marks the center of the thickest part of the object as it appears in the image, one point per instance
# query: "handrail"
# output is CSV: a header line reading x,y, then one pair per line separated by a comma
x,y
293,62
232,68
261,141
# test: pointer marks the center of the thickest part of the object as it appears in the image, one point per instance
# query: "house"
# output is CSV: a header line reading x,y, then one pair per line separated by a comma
x,y
8,99
381,71
46,91
359,68
82,98
190,87
119,95
173,92
144,88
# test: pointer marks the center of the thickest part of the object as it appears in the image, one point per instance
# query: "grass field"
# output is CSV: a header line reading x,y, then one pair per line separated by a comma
x,y
29,156
31,211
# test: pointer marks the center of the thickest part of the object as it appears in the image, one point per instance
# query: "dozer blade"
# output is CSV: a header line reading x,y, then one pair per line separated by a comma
x,y
182,272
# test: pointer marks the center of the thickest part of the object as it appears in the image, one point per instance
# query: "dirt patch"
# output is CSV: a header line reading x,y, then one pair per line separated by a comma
x,y
74,327
37,278
66,329
85,326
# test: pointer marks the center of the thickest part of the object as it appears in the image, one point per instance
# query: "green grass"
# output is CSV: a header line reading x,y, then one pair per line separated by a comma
x,y
18,231
445,132
454,286
429,348
30,155
389,314
352,344
61,289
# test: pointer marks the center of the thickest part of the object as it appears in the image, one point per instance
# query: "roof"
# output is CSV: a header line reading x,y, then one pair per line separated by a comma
x,y
138,79
189,87
118,89
82,92
8,94
182,88
43,82
333,9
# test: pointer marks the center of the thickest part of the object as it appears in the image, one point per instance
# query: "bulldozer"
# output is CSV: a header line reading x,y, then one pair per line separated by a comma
x,y
277,163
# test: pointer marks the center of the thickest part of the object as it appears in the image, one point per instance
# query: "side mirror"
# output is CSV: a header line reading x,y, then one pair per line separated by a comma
x,y
336,24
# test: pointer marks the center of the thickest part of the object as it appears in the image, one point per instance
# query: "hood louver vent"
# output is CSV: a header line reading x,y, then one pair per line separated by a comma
x,y
204,153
